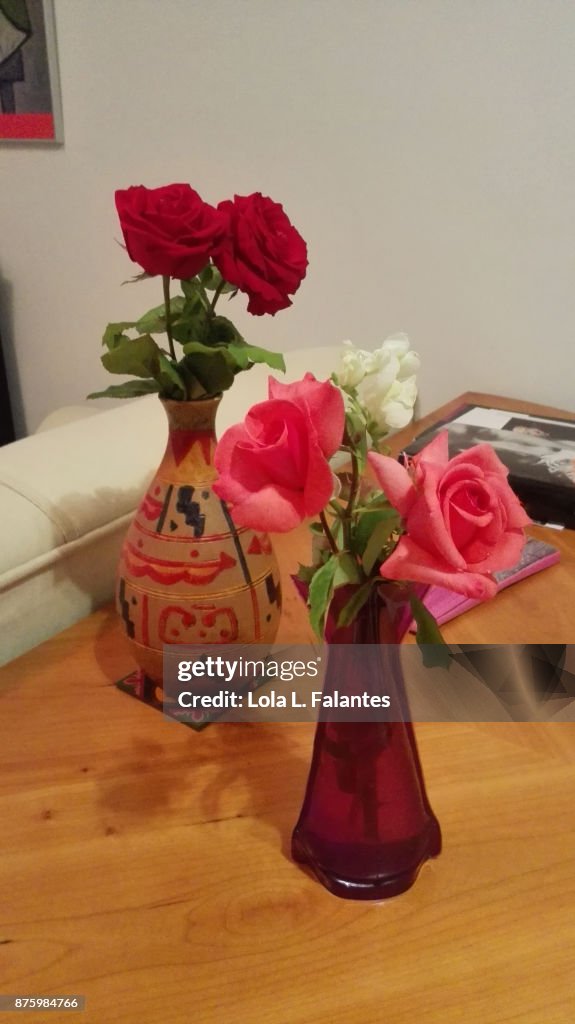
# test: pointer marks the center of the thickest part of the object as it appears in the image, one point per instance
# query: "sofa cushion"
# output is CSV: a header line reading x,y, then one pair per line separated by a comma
x,y
27,530
83,475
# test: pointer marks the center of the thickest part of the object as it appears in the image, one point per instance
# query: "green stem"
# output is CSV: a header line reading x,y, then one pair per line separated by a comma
x,y
353,489
203,293
328,533
166,283
217,294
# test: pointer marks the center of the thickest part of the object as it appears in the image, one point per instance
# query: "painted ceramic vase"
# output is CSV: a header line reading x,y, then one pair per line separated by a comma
x,y
187,574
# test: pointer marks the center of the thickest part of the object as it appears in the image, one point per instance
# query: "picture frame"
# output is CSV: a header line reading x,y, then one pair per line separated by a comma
x,y
538,451
30,103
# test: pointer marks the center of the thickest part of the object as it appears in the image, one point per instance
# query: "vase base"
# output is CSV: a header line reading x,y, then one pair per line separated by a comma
x,y
381,887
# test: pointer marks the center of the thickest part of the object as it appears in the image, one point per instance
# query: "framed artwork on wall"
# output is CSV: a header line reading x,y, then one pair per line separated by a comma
x,y
30,109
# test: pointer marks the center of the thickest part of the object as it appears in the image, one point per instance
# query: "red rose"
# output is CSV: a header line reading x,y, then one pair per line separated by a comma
x,y
263,255
273,468
169,230
462,521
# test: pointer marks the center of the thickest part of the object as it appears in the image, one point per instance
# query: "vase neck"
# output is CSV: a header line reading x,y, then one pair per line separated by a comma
x,y
379,623
191,443
199,416
382,620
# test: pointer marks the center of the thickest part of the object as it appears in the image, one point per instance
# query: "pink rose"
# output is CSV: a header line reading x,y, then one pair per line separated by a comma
x,y
273,467
461,518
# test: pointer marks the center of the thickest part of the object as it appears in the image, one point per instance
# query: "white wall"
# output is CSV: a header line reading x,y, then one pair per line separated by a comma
x,y
424,148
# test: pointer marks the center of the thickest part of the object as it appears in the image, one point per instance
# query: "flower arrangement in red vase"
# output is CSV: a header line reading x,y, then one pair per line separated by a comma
x,y
366,824
451,522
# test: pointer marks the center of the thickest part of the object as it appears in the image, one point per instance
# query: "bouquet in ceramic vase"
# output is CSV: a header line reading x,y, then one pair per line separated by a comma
x,y
187,574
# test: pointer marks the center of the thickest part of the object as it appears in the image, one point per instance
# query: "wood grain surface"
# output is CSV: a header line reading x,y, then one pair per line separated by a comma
x,y
147,866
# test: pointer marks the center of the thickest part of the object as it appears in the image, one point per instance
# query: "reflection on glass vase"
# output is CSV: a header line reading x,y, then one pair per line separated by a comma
x,y
366,826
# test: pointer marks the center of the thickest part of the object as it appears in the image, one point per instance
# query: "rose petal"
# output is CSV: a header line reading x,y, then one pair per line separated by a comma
x,y
272,468
272,509
427,526
169,230
411,562
505,554
482,456
394,481
262,253
322,401
436,451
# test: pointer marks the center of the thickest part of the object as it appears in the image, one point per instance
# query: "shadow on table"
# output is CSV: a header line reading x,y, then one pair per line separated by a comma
x,y
167,772
228,770
270,762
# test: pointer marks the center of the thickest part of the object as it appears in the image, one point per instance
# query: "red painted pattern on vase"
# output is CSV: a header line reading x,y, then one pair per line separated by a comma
x,y
187,574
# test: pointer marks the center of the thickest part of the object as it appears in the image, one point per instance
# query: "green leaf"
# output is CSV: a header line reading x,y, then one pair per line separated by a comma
x,y
130,389
195,295
356,603
207,366
192,325
367,522
379,536
222,331
336,527
347,570
137,357
141,357
249,354
377,499
212,279
191,287
239,353
434,650
200,347
306,573
154,321
172,384
320,592
317,528
114,333
354,423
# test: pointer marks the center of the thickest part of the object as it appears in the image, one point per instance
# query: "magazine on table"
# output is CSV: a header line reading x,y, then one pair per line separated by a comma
x,y
445,605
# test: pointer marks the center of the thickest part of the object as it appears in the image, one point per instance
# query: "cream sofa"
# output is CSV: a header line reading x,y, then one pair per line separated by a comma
x,y
68,492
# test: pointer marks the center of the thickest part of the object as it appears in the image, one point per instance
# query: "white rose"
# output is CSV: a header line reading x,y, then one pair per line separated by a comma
x,y
397,347
354,364
397,408
389,391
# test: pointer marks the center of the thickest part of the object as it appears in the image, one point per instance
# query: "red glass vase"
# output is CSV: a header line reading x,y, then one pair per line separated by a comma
x,y
366,826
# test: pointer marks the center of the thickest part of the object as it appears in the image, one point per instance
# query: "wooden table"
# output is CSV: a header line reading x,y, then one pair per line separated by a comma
x,y
147,866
